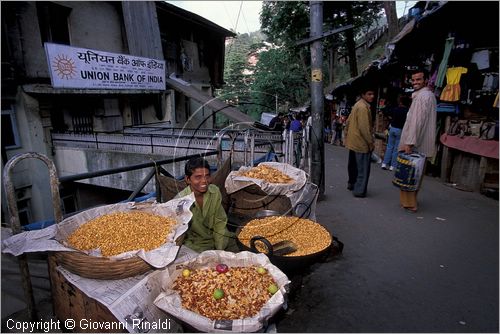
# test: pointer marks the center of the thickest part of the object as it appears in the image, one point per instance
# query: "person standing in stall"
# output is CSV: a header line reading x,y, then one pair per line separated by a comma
x,y
419,130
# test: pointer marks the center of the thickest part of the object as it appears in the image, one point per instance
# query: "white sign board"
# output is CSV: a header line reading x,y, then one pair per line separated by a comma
x,y
72,67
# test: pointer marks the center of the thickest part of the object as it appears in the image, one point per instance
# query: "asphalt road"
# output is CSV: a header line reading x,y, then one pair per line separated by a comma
x,y
431,271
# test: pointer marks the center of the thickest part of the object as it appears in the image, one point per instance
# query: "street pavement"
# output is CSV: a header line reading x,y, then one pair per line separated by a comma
x,y
431,271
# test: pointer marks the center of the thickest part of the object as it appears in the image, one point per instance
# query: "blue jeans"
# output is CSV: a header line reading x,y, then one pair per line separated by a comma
x,y
391,152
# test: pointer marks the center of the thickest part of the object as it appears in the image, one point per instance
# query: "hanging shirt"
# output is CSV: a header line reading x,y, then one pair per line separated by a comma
x,y
482,59
207,229
451,92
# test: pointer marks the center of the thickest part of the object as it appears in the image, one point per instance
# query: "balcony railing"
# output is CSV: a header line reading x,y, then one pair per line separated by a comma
x,y
176,141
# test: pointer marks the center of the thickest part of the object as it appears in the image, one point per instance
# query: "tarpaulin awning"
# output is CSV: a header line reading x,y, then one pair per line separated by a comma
x,y
212,103
484,148
405,31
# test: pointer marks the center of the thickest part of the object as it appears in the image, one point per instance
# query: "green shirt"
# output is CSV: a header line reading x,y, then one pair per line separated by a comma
x,y
207,228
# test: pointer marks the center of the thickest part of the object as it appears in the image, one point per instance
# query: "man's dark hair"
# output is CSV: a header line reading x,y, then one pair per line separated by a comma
x,y
194,163
420,70
365,89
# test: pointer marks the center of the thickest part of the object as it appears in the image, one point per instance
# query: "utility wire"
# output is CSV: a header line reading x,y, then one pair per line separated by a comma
x,y
227,13
238,18
246,24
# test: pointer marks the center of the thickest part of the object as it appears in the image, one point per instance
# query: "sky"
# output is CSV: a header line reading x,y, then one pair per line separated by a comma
x,y
225,13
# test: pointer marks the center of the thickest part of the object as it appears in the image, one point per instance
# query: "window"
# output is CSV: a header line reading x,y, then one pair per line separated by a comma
x,y
24,205
53,22
136,109
187,107
10,133
68,204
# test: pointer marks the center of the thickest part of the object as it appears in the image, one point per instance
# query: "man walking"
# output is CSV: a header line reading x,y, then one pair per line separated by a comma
x,y
359,141
419,131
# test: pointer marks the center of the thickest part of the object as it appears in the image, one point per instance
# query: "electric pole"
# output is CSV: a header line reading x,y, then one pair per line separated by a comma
x,y
317,98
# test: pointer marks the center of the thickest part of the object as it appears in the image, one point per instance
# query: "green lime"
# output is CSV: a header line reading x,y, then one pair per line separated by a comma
x,y
261,270
272,289
218,293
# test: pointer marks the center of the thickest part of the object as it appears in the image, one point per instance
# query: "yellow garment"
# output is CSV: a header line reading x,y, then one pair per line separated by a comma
x,y
359,128
495,103
452,90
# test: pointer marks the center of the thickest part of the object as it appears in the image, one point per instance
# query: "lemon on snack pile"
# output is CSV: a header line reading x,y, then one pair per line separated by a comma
x,y
266,173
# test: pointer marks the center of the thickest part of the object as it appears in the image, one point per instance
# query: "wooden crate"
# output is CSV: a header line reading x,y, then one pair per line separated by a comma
x,y
465,172
71,303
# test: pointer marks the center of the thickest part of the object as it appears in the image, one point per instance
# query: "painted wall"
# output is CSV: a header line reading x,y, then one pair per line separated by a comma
x,y
32,173
95,25
75,161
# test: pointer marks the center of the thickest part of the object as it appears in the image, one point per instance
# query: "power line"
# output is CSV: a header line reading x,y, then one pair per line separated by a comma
x,y
246,24
227,13
238,18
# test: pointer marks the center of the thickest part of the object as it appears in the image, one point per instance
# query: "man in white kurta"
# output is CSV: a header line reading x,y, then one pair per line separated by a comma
x,y
419,131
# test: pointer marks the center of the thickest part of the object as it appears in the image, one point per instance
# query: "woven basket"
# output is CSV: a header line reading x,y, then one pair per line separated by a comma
x,y
103,268
100,267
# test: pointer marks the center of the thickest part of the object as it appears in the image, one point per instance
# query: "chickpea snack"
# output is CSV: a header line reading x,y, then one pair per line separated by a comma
x,y
121,232
112,241
224,291
125,230
267,173
309,236
274,178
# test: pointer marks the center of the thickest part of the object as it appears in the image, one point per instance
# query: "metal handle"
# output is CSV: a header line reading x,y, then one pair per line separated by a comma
x,y
264,241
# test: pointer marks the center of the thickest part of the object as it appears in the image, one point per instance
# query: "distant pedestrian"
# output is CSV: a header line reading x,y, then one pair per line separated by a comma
x,y
359,141
398,118
276,123
296,124
339,129
419,131
333,126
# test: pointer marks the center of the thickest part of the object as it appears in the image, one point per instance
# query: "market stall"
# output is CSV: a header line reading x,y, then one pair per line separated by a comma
x,y
461,58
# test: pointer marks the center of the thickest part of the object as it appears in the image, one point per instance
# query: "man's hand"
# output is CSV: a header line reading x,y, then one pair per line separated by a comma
x,y
408,149
371,146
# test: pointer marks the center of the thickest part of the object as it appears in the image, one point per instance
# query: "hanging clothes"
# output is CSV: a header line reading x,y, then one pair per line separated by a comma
x,y
482,59
451,92
444,62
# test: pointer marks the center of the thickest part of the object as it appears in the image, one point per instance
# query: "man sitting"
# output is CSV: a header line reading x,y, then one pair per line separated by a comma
x,y
207,228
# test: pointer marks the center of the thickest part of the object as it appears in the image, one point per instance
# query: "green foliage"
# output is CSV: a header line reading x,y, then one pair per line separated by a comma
x,y
237,82
285,22
283,71
278,73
